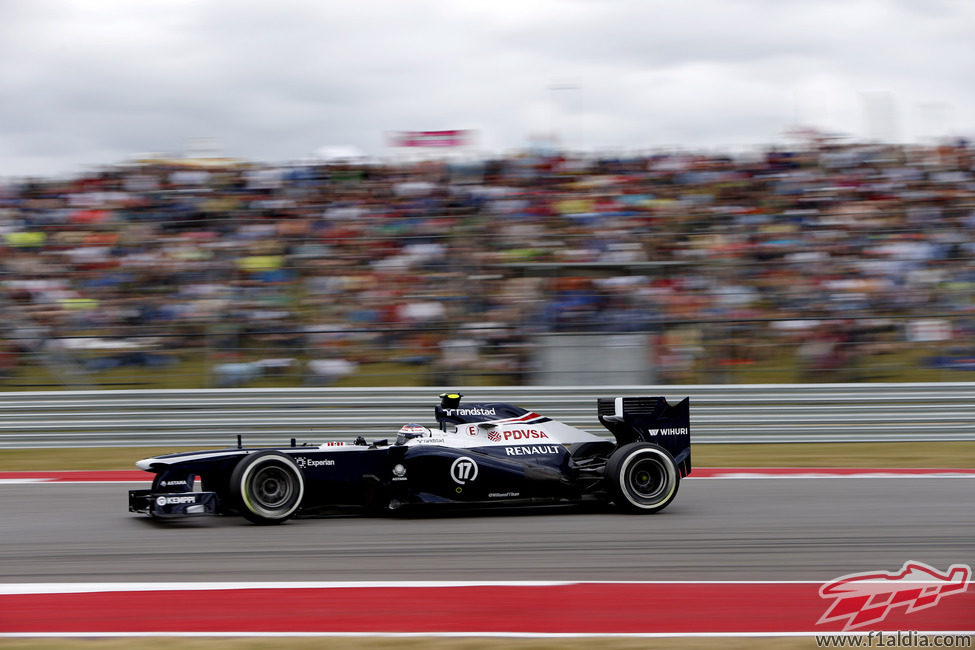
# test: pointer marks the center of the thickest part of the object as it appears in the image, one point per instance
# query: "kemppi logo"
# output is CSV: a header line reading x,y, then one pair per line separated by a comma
x,y
863,598
171,501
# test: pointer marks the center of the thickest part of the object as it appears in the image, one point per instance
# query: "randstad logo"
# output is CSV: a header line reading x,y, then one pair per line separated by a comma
x,y
470,411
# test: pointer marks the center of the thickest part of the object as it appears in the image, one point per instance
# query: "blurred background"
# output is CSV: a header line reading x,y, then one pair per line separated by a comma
x,y
560,192
826,260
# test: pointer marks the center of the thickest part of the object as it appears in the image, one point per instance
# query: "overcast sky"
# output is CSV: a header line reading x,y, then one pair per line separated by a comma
x,y
90,83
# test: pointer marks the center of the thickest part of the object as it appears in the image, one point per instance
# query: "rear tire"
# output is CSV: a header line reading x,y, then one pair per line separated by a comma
x,y
267,487
643,477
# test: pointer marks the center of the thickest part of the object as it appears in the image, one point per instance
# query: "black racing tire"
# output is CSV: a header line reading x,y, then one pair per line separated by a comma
x,y
643,477
267,487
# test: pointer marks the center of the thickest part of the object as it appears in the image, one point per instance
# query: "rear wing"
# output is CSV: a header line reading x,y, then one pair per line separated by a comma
x,y
650,419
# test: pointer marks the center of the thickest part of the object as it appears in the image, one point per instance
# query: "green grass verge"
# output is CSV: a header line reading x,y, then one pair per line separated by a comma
x,y
851,454
197,373
774,364
845,454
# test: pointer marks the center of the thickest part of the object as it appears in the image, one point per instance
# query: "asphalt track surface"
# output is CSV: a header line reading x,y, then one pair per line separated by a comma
x,y
746,529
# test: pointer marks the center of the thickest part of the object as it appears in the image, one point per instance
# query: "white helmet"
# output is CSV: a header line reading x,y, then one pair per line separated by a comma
x,y
409,431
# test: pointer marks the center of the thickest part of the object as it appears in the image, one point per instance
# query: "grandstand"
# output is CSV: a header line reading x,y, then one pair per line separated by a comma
x,y
821,262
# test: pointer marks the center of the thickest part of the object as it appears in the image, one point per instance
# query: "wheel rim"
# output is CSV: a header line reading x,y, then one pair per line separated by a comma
x,y
271,488
647,478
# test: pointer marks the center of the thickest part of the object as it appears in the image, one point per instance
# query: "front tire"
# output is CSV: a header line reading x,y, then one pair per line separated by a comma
x,y
643,477
267,487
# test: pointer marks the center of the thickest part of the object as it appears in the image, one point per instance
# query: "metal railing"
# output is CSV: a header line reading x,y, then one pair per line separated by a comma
x,y
719,413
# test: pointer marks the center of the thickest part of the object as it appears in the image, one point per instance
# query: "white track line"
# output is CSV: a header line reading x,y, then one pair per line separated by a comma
x,y
503,635
13,589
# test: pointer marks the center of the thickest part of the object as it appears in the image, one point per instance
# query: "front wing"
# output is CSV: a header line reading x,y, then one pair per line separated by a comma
x,y
173,504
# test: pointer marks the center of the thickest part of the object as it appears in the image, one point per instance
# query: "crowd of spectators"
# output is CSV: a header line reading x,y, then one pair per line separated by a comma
x,y
828,250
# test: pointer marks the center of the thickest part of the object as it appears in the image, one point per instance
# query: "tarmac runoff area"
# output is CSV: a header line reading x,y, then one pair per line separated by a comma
x,y
732,543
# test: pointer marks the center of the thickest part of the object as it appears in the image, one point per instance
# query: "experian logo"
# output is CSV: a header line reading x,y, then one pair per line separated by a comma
x,y
314,462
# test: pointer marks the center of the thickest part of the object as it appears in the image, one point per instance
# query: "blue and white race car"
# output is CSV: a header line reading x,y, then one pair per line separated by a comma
x,y
480,454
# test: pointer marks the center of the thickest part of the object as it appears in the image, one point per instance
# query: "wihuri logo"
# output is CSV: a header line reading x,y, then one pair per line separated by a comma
x,y
863,598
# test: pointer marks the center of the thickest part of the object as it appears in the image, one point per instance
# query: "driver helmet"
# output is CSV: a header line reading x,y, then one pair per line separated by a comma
x,y
410,431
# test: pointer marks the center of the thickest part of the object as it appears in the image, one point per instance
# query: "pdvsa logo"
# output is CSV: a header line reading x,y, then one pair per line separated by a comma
x,y
524,434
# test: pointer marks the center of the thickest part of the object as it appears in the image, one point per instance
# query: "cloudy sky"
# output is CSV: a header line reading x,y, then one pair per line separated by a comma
x,y
85,84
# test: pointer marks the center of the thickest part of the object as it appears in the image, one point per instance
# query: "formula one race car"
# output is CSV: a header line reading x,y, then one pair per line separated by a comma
x,y
481,454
